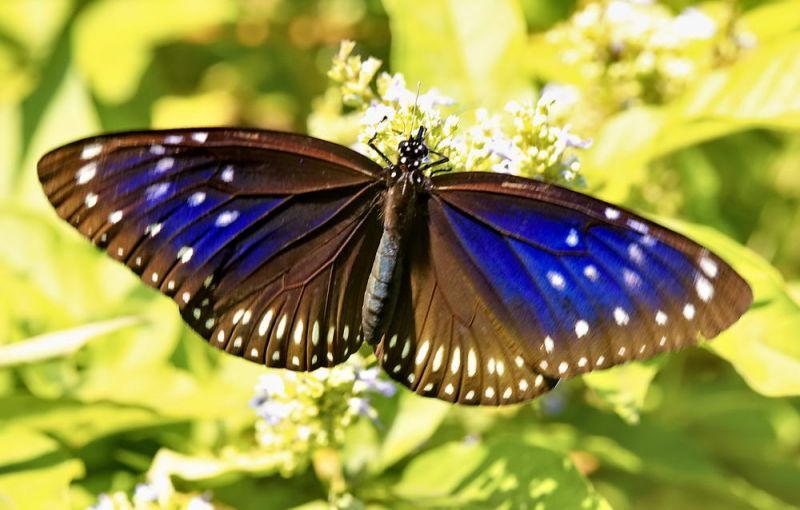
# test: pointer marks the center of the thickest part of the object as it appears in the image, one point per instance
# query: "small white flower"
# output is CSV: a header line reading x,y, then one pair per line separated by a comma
x,y
693,23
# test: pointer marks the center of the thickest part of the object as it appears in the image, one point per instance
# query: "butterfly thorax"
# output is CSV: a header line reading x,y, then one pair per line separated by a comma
x,y
405,180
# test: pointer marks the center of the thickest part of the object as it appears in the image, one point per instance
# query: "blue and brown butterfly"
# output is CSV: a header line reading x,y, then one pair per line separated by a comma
x,y
476,288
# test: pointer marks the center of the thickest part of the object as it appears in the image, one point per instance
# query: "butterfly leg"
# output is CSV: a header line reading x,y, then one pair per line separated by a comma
x,y
441,161
374,147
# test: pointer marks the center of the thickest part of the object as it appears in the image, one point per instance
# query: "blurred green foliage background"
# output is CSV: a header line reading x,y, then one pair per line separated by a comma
x,y
102,387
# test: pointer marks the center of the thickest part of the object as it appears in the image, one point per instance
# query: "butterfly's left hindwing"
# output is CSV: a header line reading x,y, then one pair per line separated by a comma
x,y
254,234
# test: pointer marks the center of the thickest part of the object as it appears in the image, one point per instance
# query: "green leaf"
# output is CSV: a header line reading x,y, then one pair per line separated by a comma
x,y
408,432
762,345
168,463
114,39
44,486
469,50
624,387
75,423
18,444
503,473
772,19
58,344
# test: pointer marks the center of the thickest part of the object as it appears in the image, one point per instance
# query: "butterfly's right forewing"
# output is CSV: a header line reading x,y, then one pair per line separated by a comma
x,y
259,236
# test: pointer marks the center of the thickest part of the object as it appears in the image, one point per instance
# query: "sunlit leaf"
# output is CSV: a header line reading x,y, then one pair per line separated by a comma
x,y
502,473
57,344
469,50
114,39
624,387
41,486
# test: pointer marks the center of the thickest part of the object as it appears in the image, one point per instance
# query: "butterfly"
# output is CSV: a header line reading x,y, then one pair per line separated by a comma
x,y
472,287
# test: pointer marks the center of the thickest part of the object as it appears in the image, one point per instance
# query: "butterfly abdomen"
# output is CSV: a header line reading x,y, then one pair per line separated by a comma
x,y
383,284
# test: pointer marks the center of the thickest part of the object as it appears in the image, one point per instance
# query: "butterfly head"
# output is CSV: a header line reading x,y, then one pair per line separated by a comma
x,y
413,151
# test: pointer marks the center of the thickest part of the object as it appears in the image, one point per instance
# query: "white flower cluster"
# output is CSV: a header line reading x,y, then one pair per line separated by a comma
x,y
301,412
157,494
638,49
525,141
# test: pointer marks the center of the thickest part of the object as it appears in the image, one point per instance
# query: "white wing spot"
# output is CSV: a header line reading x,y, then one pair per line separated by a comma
x,y
225,218
437,359
164,164
563,367
662,341
393,341
490,365
638,226
661,318
115,217
543,365
556,280
346,332
572,238
582,361
600,360
688,311
581,328
253,352
519,361
331,333
635,253
91,200
120,252
237,342
422,352
631,279
548,344
642,348
611,214
139,263
709,267
314,359
173,139
501,368
276,356
704,288
263,326
221,336
209,323
523,385
470,395
281,327
410,378
157,150
185,254
171,285
621,316
539,380
208,280
396,369
591,273
298,332
154,277
428,387
455,360
91,151
227,174
156,191
246,317
315,333
153,229
472,363
448,389
329,357
200,137
295,361
237,316
507,393
621,351
489,392
196,198
406,348
186,297
86,173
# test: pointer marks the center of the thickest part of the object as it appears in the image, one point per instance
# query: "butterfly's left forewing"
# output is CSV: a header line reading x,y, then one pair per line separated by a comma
x,y
254,234
517,279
